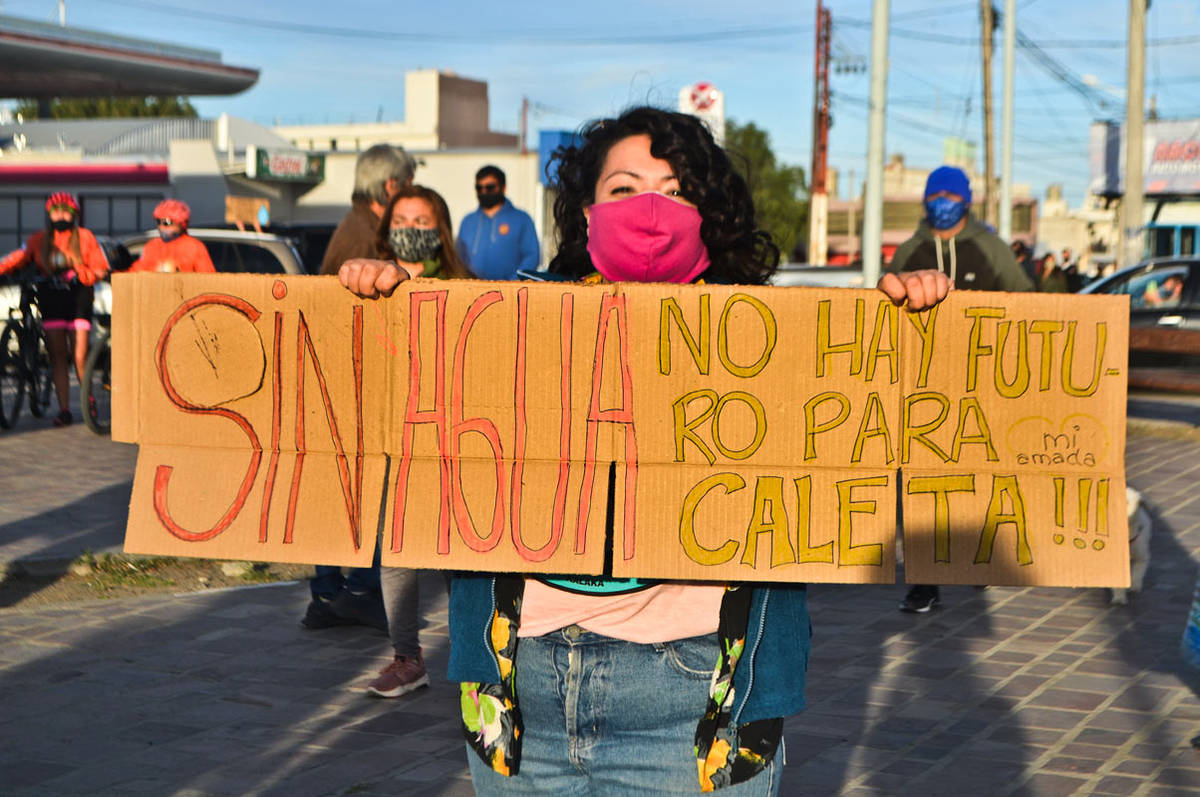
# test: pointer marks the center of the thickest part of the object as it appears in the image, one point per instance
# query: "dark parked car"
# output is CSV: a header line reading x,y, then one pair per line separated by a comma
x,y
1164,321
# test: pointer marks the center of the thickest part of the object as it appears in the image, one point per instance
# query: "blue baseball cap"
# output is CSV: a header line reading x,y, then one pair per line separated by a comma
x,y
950,179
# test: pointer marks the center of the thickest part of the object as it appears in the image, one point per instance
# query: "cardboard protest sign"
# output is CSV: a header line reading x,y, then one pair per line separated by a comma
x,y
727,432
1013,450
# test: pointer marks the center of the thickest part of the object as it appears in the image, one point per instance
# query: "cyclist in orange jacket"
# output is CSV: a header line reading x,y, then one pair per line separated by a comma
x,y
69,261
174,249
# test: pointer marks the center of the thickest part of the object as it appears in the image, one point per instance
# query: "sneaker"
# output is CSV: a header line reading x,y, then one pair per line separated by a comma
x,y
365,608
920,599
319,615
63,418
401,676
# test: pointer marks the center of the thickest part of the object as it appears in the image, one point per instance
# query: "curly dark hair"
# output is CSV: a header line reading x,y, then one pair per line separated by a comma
x,y
738,252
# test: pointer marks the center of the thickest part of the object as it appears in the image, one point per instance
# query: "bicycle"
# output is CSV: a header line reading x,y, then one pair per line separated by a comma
x,y
96,390
25,371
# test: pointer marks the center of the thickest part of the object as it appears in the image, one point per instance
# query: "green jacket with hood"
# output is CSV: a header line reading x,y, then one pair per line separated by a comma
x,y
975,260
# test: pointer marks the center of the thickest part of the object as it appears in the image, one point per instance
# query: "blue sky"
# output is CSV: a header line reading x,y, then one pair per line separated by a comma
x,y
323,61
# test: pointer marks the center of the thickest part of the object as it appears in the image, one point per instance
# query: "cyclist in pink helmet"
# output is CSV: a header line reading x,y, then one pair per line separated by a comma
x,y
174,249
69,261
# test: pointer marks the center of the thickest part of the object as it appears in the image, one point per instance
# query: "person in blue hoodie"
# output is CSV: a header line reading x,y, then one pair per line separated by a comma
x,y
619,686
497,240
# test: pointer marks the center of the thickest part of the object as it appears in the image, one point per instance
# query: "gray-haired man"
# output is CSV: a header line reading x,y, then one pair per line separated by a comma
x,y
379,173
354,597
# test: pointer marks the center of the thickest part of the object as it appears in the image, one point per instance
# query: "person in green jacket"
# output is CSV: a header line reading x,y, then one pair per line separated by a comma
x,y
950,240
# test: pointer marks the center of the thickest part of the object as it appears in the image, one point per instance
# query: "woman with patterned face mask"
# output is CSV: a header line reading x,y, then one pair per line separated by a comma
x,y
415,236
69,262
414,239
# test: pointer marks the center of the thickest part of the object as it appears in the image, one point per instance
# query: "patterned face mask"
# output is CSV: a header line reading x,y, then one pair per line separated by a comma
x,y
413,244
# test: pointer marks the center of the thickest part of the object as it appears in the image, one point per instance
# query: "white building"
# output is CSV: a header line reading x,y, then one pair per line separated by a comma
x,y
120,168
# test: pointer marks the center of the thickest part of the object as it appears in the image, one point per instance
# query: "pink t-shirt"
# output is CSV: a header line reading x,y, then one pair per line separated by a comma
x,y
662,613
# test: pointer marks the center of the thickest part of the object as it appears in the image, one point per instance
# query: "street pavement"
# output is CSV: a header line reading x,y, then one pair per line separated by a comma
x,y
1002,691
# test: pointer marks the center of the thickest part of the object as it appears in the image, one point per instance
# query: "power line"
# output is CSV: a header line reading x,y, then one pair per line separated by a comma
x,y
1080,44
522,37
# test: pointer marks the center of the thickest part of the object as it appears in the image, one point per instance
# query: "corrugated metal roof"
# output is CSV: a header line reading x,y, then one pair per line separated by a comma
x,y
150,137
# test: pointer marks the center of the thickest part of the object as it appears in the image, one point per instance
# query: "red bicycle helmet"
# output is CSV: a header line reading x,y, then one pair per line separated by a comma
x,y
174,209
61,199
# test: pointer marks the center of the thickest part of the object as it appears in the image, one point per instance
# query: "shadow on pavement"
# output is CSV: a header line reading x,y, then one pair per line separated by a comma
x,y
219,693
51,539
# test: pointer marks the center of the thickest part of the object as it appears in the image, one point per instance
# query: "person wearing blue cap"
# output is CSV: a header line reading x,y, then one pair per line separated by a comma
x,y
949,239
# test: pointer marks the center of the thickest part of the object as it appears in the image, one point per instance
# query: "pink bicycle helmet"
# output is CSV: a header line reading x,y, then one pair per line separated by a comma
x,y
61,199
175,210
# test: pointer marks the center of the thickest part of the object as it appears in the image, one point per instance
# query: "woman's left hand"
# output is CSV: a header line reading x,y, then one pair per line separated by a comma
x,y
371,279
919,289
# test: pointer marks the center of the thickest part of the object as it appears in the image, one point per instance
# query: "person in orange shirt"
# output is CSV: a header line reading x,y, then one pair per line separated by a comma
x,y
174,250
69,262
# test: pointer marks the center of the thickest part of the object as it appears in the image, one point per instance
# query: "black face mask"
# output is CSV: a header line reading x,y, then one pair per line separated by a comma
x,y
489,200
62,226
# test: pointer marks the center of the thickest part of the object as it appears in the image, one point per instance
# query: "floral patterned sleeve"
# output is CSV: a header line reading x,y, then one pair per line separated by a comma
x,y
727,754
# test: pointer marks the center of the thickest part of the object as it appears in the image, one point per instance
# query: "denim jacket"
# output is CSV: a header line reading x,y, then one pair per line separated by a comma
x,y
765,640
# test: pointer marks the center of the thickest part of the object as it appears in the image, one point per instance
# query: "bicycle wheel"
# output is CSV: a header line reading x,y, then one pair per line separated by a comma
x,y
41,375
12,377
97,387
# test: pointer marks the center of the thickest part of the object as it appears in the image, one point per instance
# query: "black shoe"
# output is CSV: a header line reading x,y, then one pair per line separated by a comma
x,y
920,599
319,615
362,608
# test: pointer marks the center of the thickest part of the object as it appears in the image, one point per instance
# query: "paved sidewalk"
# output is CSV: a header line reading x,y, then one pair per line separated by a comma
x,y
1003,691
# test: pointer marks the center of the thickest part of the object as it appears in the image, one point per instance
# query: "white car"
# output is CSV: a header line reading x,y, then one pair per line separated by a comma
x,y
792,274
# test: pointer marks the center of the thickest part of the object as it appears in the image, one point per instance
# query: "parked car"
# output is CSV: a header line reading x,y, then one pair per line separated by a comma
x,y
311,239
231,252
237,252
1164,321
791,274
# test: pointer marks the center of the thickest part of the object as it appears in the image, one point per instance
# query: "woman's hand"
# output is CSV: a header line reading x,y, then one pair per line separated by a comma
x,y
371,279
920,289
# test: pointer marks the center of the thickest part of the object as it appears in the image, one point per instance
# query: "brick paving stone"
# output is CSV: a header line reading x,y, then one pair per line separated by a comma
x,y
1118,785
1034,736
1168,791
1116,720
1135,766
1102,736
1021,686
1069,698
1080,750
1049,785
1177,776
1049,717
1083,766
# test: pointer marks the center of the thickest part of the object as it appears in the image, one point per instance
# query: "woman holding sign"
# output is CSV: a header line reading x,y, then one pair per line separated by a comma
x,y
415,240
615,686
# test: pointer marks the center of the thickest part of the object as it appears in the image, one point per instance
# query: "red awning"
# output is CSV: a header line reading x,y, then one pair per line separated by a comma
x,y
85,173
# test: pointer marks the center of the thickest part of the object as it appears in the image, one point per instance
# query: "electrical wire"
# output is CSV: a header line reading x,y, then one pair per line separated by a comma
x,y
521,38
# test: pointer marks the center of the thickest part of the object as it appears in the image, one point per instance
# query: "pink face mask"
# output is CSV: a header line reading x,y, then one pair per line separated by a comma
x,y
646,238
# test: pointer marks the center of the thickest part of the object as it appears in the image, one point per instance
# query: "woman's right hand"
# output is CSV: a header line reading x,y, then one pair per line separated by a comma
x,y
371,279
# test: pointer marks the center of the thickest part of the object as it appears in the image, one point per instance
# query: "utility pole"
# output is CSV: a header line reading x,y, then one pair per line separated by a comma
x,y
818,203
524,124
988,26
1132,246
1006,123
872,239
853,226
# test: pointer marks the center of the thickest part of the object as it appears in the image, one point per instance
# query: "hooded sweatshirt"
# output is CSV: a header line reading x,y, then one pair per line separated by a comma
x,y
975,260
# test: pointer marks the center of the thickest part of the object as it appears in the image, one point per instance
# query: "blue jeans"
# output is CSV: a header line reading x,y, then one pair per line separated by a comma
x,y
607,717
